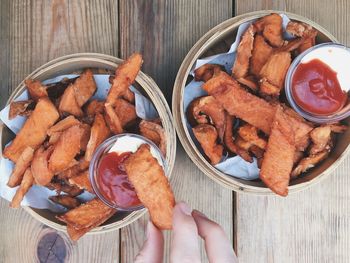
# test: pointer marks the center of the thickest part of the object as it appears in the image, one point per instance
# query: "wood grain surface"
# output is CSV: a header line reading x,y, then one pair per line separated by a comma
x,y
312,225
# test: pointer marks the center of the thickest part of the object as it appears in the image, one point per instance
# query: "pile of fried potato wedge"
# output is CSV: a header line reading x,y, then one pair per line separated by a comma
x,y
245,112
64,127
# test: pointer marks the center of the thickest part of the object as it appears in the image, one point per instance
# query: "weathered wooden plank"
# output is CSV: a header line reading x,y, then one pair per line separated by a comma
x,y
32,33
310,226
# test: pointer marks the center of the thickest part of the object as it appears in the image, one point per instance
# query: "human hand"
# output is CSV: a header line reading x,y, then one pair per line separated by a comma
x,y
187,225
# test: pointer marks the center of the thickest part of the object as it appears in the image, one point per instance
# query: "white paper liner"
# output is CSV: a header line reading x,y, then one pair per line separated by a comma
x,y
37,196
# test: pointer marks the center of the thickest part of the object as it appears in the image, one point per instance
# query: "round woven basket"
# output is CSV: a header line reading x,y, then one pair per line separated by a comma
x,y
218,40
100,64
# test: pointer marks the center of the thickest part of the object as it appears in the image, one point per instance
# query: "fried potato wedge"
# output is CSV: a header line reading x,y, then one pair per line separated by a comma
x,y
151,186
126,112
74,170
230,143
33,132
63,125
113,121
21,166
274,172
250,133
24,187
84,87
87,215
40,166
207,71
338,128
63,186
320,137
67,147
65,201
82,181
271,28
125,75
85,137
99,132
260,54
244,52
22,108
155,133
68,103
249,82
207,137
94,107
309,162
36,89
206,109
54,137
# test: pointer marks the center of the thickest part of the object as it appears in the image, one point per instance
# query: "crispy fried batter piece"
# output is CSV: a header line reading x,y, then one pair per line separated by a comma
x,y
258,152
21,166
125,75
40,168
99,132
260,54
68,104
250,133
22,108
82,181
65,201
206,109
230,142
207,136
94,107
271,28
36,89
279,155
60,186
305,31
206,72
125,111
84,87
84,140
298,155
113,121
274,71
74,170
33,132
309,162
67,147
26,183
292,45
338,128
243,144
240,103
243,54
151,186
155,133
250,82
86,215
320,137
63,125
54,137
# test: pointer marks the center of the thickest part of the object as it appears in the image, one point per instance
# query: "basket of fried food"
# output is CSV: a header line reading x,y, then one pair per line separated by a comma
x,y
243,110
64,125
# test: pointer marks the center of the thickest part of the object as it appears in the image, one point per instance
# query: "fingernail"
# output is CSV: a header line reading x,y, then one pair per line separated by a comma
x,y
198,213
185,208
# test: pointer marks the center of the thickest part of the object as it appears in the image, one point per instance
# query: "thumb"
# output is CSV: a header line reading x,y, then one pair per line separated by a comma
x,y
152,249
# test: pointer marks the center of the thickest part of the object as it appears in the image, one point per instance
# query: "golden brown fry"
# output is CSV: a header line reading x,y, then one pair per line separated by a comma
x,y
243,144
87,215
243,54
67,147
36,89
300,29
260,54
99,132
338,128
39,168
320,137
26,183
151,186
249,82
279,155
126,112
63,186
206,109
82,181
207,71
125,75
230,142
207,136
271,28
298,155
85,136
250,133
74,170
65,201
258,152
309,162
33,132
292,45
267,89
20,108
63,125
68,103
21,166
94,107
54,137
112,119
155,133
84,87
275,69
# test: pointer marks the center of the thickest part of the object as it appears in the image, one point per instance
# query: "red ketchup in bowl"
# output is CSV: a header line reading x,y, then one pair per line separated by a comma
x,y
316,89
113,181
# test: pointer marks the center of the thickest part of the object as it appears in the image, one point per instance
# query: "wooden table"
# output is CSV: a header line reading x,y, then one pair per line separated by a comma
x,y
310,226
